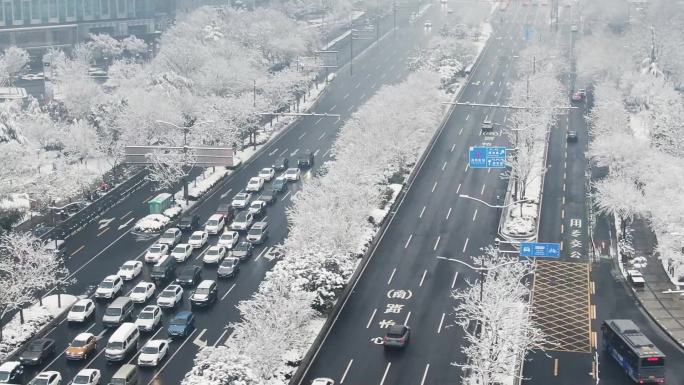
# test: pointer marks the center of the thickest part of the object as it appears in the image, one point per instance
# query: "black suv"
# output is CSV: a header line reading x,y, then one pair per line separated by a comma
x,y
189,223
280,164
305,159
37,351
189,276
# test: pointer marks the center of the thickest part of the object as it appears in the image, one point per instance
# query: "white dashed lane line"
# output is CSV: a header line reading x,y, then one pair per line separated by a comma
x,y
370,320
408,241
436,242
391,276
421,212
465,245
344,375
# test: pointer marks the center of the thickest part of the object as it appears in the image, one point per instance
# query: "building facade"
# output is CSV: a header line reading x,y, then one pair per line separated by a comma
x,y
38,24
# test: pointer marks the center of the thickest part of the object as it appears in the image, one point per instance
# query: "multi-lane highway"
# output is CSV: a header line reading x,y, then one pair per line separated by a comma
x,y
409,277
100,248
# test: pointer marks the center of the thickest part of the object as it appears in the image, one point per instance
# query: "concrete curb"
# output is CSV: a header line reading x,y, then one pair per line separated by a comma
x,y
311,354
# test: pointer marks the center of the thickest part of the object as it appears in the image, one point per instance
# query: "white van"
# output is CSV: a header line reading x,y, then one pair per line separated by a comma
x,y
123,341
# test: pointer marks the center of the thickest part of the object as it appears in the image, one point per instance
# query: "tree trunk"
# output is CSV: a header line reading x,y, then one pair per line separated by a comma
x,y
21,316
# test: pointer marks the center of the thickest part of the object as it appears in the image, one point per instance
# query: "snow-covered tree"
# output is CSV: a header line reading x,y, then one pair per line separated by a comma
x,y
105,47
15,62
500,307
167,169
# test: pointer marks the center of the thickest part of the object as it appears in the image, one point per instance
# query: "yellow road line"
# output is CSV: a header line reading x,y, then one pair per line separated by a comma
x,y
77,250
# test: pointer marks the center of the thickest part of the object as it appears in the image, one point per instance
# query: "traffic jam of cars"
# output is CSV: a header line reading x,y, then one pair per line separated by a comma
x,y
238,227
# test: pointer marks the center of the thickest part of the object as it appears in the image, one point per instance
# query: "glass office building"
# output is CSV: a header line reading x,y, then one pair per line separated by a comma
x,y
38,24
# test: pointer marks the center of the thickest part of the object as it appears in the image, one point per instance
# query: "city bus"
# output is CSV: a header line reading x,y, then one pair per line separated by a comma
x,y
636,354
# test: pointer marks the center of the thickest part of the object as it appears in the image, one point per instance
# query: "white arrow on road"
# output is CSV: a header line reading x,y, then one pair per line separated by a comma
x,y
198,340
105,222
126,224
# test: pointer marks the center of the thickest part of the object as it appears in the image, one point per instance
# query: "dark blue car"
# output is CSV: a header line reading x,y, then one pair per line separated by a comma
x,y
182,324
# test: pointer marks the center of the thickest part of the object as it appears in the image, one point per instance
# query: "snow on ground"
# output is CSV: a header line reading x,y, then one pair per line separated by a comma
x,y
379,214
173,212
639,124
14,333
19,201
206,181
523,223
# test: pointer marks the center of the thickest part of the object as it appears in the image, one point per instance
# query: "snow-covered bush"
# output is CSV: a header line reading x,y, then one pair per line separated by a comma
x,y
173,212
153,223
14,333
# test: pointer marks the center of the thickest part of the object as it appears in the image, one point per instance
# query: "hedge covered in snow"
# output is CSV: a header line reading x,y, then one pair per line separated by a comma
x,y
386,135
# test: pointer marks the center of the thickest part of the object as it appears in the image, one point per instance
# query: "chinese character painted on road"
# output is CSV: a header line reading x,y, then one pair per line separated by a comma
x,y
393,308
376,340
574,222
401,294
384,324
575,243
575,233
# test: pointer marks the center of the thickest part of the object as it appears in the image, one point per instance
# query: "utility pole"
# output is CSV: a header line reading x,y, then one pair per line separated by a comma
x,y
394,6
254,94
351,52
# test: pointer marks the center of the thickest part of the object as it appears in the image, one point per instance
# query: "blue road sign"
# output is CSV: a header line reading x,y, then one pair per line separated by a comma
x,y
541,250
487,157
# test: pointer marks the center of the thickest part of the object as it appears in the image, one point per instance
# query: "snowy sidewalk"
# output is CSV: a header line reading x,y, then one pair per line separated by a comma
x,y
666,309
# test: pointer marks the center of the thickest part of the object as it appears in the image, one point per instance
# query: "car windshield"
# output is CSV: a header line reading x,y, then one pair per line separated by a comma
x,y
168,294
35,347
155,249
146,315
213,252
242,246
185,221
78,309
179,249
226,237
254,232
116,345
241,217
178,321
227,263
113,311
77,343
186,273
212,222
202,291
150,350
240,197
128,267
196,237
82,379
140,289
4,376
256,205
168,235
40,381
291,172
107,284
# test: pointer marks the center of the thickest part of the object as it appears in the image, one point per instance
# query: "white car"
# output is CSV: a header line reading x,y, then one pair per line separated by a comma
x,y
215,224
198,239
142,292
229,239
171,237
130,270
49,377
81,311
292,174
153,352
155,252
87,377
170,296
110,287
255,184
267,174
323,381
214,254
181,252
257,207
242,221
241,200
149,318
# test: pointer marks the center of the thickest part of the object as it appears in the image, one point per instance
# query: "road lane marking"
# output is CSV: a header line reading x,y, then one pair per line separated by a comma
x,y
408,241
123,226
127,214
437,242
318,121
264,250
218,341
467,167
454,145
274,151
434,187
228,292
562,213
283,153
468,117
170,358
592,312
475,215
294,152
422,279
382,381
441,321
594,339
363,96
326,153
316,152
225,194
357,85
555,367
333,107
465,245
422,382
482,191
448,214
344,375
77,250
421,212
391,276
285,196
371,318
103,231
453,283
459,133
593,287
407,318
301,136
458,188
444,166
148,198
346,96
321,137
